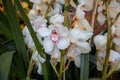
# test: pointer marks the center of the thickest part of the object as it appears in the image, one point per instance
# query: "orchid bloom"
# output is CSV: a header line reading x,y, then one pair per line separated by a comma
x,y
38,59
74,55
79,44
40,26
56,36
80,16
116,36
113,58
79,38
101,17
39,7
100,42
57,8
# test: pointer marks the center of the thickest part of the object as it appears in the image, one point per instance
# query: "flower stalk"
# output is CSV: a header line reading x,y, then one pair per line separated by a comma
x,y
31,64
66,21
109,39
61,65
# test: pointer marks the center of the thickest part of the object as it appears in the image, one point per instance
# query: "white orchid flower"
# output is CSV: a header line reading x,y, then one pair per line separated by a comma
x,y
113,58
101,17
100,42
40,8
80,15
57,19
57,9
36,1
114,8
36,57
40,26
88,6
32,14
73,52
58,37
79,38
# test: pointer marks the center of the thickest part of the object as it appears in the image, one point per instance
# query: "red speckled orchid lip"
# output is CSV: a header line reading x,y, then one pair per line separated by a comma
x,y
54,36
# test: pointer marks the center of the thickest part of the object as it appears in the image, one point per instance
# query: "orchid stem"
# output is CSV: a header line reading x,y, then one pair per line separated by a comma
x,y
61,65
29,70
31,63
66,21
109,39
53,66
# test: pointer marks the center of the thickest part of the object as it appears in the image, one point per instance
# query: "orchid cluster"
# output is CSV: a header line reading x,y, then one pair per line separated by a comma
x,y
101,40
56,37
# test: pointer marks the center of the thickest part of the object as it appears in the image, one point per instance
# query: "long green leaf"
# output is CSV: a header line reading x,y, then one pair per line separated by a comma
x,y
84,69
6,31
4,20
11,13
5,63
34,37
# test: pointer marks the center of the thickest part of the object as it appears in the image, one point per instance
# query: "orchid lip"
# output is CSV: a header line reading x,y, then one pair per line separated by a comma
x,y
54,36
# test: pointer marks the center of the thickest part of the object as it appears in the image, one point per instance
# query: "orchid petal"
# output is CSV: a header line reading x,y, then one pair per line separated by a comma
x,y
83,46
100,42
114,56
39,70
99,66
44,32
35,1
79,13
86,24
72,53
63,43
101,18
57,9
77,61
63,31
56,54
48,45
57,19
116,41
32,14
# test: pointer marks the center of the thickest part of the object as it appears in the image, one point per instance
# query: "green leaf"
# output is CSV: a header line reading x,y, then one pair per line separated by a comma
x,y
113,69
84,67
5,63
6,31
22,59
34,37
4,20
